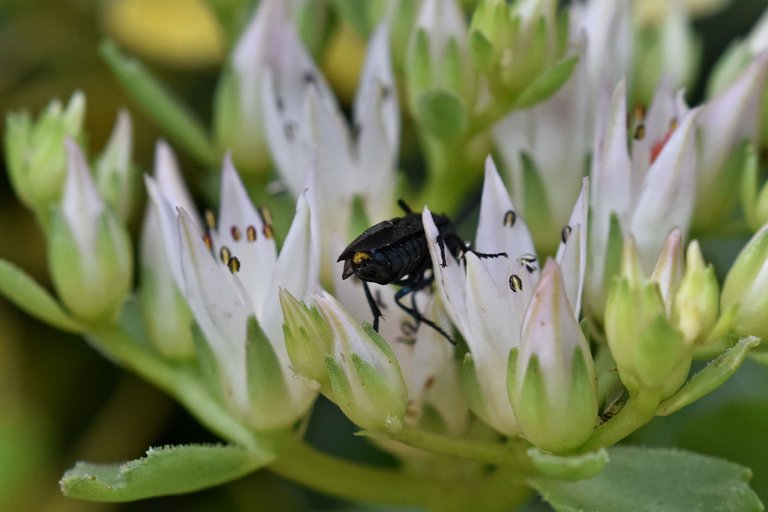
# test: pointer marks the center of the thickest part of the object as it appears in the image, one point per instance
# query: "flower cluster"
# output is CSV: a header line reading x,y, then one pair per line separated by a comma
x,y
573,319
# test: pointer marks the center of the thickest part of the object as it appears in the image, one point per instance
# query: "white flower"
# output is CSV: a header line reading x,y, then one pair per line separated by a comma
x,y
546,182
487,303
650,193
90,254
268,41
231,276
166,315
552,382
307,129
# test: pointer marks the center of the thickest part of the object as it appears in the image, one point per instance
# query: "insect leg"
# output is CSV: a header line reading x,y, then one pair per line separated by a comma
x,y
466,248
373,305
441,244
415,313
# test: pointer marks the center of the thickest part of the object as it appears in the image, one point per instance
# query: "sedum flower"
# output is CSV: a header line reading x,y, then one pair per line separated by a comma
x,y
645,193
666,47
696,301
438,62
167,317
269,41
552,383
545,183
90,254
363,373
727,121
487,303
35,151
308,131
116,175
231,276
651,353
745,287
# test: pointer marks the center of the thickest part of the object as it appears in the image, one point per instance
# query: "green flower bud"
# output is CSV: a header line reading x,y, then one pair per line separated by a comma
x,y
668,271
308,338
696,305
116,176
551,381
89,250
167,317
745,287
37,162
363,372
649,351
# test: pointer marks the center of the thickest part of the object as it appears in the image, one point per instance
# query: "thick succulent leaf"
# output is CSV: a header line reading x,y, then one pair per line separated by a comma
x,y
657,480
163,471
710,378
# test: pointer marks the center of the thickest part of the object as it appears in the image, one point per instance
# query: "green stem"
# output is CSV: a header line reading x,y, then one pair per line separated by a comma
x,y
304,464
177,380
639,410
512,457
454,169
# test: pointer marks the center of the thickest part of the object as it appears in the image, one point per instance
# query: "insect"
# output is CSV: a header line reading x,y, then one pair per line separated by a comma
x,y
396,251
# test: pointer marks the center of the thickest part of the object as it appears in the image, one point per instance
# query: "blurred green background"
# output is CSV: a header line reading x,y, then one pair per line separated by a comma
x,y
60,401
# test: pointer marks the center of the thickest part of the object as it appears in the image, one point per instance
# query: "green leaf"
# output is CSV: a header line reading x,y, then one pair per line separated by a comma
x,y
546,83
24,291
710,377
442,113
656,480
163,471
178,122
569,467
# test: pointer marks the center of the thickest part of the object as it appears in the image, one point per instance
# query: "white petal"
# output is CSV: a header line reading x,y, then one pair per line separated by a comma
x,y
449,279
219,311
501,228
572,254
667,196
297,270
236,217
170,181
495,314
610,178
730,117
443,20
377,128
81,202
551,332
758,37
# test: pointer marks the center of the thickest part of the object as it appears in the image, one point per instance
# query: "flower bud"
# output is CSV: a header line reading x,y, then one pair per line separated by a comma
x,y
238,123
551,381
696,302
745,287
89,255
363,373
669,268
37,162
649,352
308,338
167,317
116,175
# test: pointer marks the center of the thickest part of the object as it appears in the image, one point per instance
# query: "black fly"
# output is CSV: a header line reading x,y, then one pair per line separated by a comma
x,y
396,251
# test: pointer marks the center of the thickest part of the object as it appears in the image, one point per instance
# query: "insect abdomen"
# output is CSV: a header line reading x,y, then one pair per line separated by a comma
x,y
407,257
